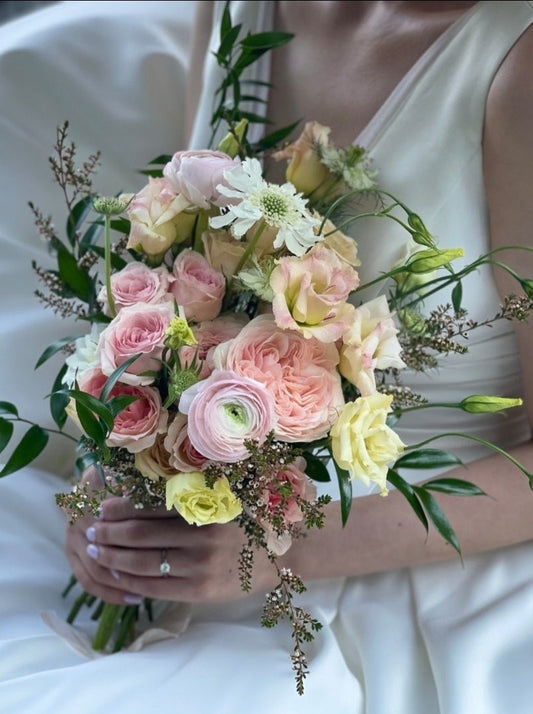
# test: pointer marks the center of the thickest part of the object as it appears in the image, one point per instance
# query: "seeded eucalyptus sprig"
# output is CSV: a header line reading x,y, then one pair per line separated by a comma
x,y
235,94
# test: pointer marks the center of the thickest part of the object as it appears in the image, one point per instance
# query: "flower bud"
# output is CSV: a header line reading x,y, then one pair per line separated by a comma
x,y
427,260
109,205
413,320
527,287
229,144
178,333
480,404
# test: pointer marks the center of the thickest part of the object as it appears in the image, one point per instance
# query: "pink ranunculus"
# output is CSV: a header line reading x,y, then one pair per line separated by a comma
x,y
137,283
136,427
301,487
300,374
196,174
136,330
224,411
183,457
198,288
371,343
210,334
310,294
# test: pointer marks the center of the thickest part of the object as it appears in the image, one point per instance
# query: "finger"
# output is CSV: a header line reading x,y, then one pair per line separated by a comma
x,y
151,533
107,589
119,508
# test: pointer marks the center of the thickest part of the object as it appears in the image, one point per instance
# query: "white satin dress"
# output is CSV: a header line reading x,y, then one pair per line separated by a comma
x,y
441,639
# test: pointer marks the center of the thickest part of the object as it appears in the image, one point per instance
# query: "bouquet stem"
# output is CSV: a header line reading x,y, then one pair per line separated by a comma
x,y
110,617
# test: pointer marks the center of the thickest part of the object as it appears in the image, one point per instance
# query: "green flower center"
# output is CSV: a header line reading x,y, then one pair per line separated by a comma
x,y
274,205
236,413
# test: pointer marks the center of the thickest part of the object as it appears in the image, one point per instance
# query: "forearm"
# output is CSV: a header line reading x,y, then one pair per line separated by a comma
x,y
384,534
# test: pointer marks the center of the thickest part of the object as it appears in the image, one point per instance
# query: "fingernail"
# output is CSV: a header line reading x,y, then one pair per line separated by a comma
x,y
133,599
92,551
90,534
115,573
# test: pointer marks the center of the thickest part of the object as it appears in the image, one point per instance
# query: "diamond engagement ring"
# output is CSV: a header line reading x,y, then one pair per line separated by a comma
x,y
164,567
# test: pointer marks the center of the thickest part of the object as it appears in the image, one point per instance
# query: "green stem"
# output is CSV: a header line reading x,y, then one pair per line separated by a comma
x,y
479,440
251,246
108,620
107,239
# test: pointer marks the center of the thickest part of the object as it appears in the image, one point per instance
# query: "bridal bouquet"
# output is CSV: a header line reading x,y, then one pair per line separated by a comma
x,y
228,363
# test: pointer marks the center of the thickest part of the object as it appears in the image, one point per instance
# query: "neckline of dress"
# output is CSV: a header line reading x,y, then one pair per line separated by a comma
x,y
377,125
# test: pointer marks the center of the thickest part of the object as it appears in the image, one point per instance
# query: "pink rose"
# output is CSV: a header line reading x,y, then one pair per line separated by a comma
x,y
300,374
136,427
138,329
154,213
210,334
310,294
196,174
197,288
183,457
224,411
137,283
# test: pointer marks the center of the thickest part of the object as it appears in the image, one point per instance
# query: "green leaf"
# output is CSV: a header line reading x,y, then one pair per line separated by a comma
x,y
345,488
276,137
457,296
161,159
118,404
437,517
90,237
266,40
83,462
407,491
29,447
316,469
6,432
115,376
225,22
454,486
51,350
227,43
59,399
8,408
78,214
96,406
426,459
70,273
91,425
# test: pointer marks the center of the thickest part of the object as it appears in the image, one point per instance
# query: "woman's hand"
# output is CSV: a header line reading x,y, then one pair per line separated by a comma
x,y
118,556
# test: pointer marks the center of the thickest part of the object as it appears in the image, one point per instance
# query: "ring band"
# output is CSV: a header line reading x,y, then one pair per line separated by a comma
x,y
164,567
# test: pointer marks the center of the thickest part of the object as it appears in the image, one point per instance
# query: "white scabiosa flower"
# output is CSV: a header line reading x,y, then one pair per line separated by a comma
x,y
253,199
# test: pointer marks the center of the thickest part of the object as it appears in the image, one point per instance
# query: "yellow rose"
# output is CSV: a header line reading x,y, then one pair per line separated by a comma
x,y
362,443
197,503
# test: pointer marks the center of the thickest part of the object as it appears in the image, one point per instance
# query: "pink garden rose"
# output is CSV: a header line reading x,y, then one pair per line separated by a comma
x,y
224,411
182,455
300,374
138,329
209,334
136,427
196,174
371,343
310,294
197,288
154,213
137,283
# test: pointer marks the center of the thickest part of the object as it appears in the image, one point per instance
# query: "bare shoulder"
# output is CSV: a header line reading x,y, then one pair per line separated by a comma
x,y
510,100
